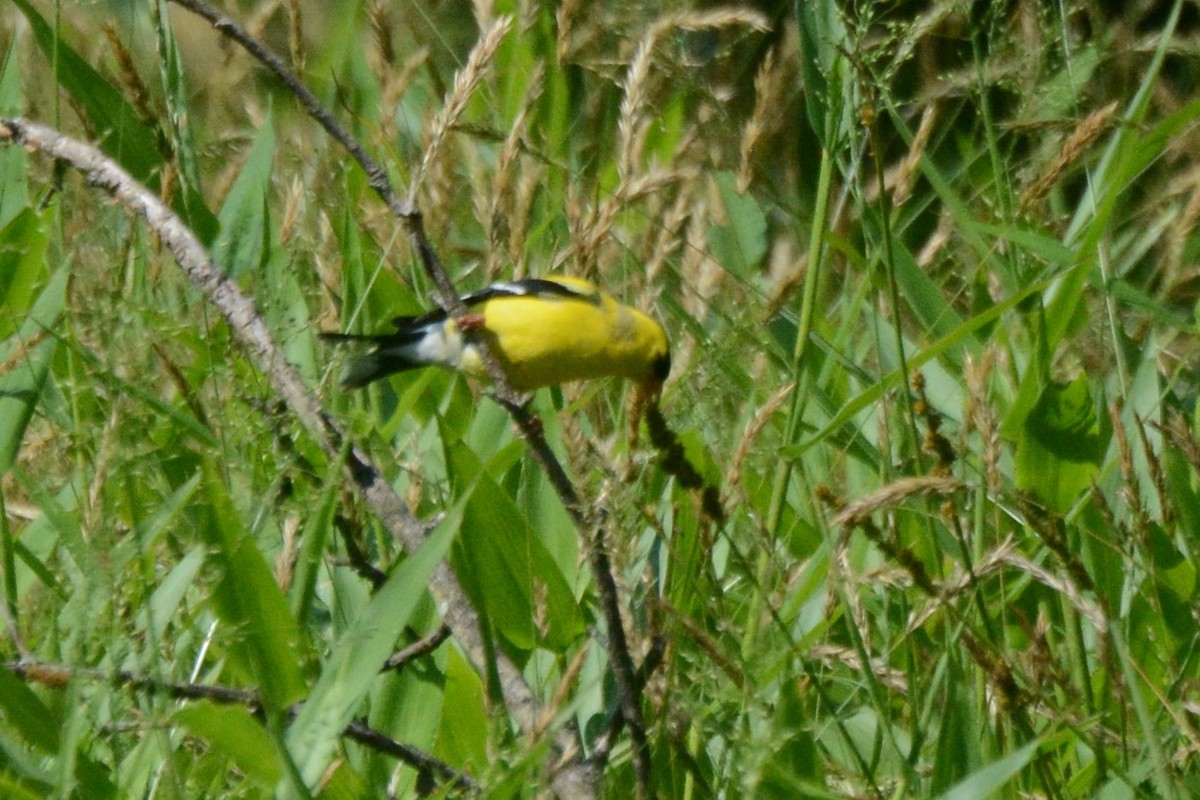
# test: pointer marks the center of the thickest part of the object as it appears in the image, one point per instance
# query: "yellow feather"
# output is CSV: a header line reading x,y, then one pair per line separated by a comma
x,y
548,339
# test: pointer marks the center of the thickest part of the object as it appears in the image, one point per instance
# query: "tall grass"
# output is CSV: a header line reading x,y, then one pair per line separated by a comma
x,y
929,275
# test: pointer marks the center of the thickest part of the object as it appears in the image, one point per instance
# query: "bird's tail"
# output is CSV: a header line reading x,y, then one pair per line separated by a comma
x,y
392,353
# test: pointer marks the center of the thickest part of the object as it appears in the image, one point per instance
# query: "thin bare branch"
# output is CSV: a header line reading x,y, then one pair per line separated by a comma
x,y
57,676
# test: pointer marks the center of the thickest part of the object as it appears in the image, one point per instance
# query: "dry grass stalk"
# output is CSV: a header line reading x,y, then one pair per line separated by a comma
x,y
466,81
896,493
327,264
1117,530
669,235
1181,229
503,190
768,92
733,476
937,240
169,182
908,165
1080,139
295,26
708,284
934,442
1061,584
479,179
1157,478
393,84
833,655
785,281
564,19
562,693
980,416
381,28
485,13
285,562
139,93
695,254
292,208
632,123
989,564
256,23
587,246
19,357
575,210
1179,433
100,470
528,186
1130,492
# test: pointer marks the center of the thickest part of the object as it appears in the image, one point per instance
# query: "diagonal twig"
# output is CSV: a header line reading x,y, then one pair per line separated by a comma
x,y
57,676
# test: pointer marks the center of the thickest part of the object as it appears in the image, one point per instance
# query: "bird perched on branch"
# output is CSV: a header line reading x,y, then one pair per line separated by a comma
x,y
543,331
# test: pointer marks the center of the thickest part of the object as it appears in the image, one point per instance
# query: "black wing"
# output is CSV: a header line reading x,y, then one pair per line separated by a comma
x,y
527,287
522,288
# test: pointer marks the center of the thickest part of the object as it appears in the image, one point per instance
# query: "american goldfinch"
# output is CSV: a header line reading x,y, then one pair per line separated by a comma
x,y
544,331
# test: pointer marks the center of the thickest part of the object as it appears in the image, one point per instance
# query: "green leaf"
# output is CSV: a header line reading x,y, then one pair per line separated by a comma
x,y
353,667
21,388
1061,445
741,243
987,781
14,189
462,738
241,245
189,203
249,600
234,731
12,789
22,260
922,294
164,603
793,768
821,34
957,748
38,725
123,136
506,569
312,545
1174,584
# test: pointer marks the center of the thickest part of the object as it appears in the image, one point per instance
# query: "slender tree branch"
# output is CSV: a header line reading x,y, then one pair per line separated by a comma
x,y
419,648
57,676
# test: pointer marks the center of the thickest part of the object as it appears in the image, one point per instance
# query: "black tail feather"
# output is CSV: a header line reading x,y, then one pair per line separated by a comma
x,y
386,358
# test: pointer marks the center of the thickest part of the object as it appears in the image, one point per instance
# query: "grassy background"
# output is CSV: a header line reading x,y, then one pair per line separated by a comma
x,y
929,272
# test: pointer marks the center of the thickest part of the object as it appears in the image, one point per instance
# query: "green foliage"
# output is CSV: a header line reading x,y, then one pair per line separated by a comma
x,y
1062,445
928,271
122,135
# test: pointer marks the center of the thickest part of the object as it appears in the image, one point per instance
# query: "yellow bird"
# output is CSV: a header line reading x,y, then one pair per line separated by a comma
x,y
544,332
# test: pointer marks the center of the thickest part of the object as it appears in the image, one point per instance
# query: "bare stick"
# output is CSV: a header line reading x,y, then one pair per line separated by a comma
x,y
57,676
